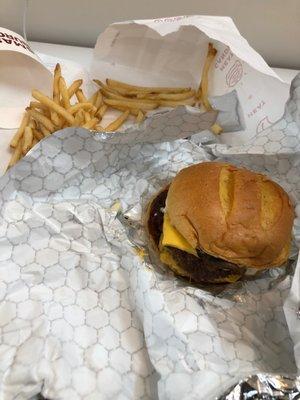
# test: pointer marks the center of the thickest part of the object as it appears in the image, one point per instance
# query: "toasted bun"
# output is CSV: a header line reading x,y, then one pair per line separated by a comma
x,y
232,213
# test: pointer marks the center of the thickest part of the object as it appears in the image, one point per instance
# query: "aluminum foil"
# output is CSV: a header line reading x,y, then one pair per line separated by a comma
x,y
84,314
265,387
184,121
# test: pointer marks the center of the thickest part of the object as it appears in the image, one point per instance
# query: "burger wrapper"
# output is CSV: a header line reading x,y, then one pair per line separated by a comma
x,y
172,52
85,314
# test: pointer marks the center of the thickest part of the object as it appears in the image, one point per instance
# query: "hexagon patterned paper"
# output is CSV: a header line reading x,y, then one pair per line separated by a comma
x,y
83,316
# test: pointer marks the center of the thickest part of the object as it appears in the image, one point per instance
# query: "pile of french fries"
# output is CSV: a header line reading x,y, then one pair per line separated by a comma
x,y
46,115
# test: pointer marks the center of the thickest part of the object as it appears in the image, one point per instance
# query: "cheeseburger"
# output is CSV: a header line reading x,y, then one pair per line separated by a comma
x,y
214,221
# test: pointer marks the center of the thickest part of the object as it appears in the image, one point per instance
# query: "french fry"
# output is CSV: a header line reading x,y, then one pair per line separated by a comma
x,y
99,100
27,139
55,118
78,106
172,103
130,93
202,92
109,90
18,135
143,95
99,83
87,116
93,98
91,123
81,114
57,74
126,93
72,89
132,89
53,106
64,92
115,90
169,96
140,117
16,154
133,103
42,119
102,110
216,129
110,95
37,134
44,131
32,123
80,96
37,105
79,118
103,86
133,111
99,128
118,122
46,115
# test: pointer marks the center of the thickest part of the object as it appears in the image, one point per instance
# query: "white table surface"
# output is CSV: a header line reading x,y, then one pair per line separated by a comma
x,y
82,56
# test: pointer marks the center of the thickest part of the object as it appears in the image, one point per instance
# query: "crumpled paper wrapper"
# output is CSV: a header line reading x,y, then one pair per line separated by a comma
x,y
171,52
84,315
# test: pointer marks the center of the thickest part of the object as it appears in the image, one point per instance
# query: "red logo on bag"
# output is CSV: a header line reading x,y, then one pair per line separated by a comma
x,y
235,74
171,19
263,124
223,59
256,109
14,41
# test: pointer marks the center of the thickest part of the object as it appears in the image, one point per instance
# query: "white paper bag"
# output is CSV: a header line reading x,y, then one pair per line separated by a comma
x,y
172,51
20,70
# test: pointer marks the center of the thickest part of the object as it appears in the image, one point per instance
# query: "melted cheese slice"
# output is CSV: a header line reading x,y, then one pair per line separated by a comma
x,y
171,237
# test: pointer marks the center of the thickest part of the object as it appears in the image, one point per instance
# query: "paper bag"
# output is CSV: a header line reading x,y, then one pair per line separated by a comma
x,y
21,70
171,52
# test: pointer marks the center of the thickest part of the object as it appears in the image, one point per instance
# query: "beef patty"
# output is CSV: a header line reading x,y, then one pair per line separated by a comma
x,y
204,268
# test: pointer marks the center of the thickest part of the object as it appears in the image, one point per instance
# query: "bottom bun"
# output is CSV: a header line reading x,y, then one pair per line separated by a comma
x,y
202,268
